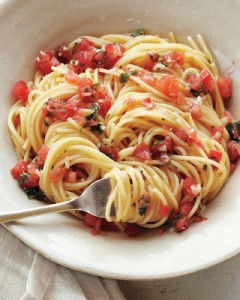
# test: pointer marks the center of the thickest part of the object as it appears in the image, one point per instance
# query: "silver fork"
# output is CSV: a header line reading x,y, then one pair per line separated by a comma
x,y
93,201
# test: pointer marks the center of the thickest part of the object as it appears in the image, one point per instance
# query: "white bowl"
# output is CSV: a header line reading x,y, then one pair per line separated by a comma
x,y
28,26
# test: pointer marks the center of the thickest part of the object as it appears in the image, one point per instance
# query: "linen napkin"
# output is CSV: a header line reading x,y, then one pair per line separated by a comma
x,y
27,275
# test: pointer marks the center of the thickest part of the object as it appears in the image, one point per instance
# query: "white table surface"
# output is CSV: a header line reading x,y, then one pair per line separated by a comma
x,y
216,283
221,282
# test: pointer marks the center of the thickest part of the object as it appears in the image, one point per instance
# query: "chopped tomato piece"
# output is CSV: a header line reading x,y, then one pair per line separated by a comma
x,y
190,187
151,60
201,83
112,152
215,155
225,87
19,168
147,77
185,208
57,174
30,181
72,77
194,81
62,53
104,106
17,121
217,133
181,100
148,102
132,230
85,88
142,152
71,176
45,61
233,151
164,211
192,137
174,58
42,155
32,171
182,223
168,85
196,111
20,90
93,222
207,81
181,134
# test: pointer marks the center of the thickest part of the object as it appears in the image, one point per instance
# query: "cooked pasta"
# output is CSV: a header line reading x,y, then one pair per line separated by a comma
x,y
145,111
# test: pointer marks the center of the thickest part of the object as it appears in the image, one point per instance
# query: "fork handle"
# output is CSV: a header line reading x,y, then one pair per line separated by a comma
x,y
18,214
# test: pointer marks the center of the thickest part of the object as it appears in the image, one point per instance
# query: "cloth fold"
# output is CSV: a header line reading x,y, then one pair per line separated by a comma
x,y
27,275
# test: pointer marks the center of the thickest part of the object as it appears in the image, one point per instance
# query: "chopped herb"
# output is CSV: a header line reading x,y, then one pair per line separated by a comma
x,y
204,167
34,193
22,178
124,76
234,131
137,33
95,108
97,128
46,123
143,208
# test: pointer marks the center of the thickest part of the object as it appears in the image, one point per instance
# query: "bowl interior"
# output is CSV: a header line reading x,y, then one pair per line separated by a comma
x,y
28,26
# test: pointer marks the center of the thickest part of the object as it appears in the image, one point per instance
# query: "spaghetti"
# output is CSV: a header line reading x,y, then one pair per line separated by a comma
x,y
146,111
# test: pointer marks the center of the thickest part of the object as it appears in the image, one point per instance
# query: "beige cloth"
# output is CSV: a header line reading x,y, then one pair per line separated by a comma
x,y
27,275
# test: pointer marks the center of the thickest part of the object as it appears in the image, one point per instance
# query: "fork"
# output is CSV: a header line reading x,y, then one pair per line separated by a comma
x,y
93,200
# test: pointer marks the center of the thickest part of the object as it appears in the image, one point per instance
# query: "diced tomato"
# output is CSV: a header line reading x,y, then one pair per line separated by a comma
x,y
114,53
71,176
84,45
174,58
72,77
32,171
112,152
217,132
202,82
151,60
148,102
17,121
185,207
20,90
182,223
30,181
225,87
142,152
57,174
169,143
42,155
164,211
168,85
215,155
104,106
100,58
147,77
194,81
233,149
82,60
181,99
207,81
81,120
132,230
85,88
19,168
60,110
192,137
189,186
62,53
45,61
181,134
93,222
196,111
